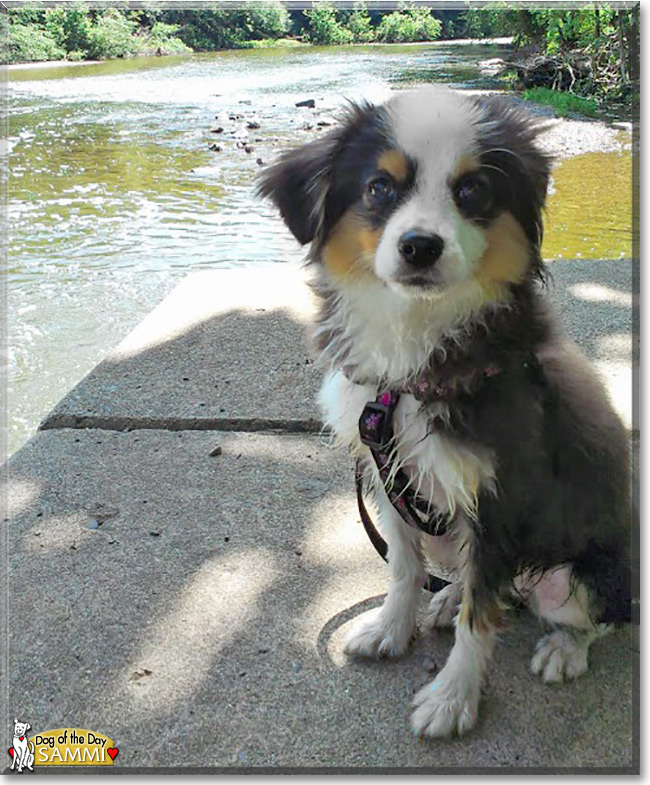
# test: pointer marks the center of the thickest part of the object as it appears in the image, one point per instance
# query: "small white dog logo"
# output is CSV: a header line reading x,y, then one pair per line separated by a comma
x,y
23,752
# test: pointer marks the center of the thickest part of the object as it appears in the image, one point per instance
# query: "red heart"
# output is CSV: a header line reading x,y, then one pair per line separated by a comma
x,y
21,737
112,751
11,751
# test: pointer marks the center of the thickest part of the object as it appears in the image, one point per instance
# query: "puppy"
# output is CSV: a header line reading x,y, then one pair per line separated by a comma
x,y
23,750
424,217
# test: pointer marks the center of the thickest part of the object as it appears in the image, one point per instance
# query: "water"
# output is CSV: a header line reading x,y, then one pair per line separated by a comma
x,y
114,194
589,213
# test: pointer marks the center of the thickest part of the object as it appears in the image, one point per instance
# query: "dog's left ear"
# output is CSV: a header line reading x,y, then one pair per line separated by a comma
x,y
300,182
27,726
297,184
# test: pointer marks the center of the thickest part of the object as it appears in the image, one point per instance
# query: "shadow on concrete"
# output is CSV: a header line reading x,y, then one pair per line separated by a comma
x,y
240,370
595,301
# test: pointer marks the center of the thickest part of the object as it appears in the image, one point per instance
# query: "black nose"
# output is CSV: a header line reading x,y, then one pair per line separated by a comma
x,y
420,250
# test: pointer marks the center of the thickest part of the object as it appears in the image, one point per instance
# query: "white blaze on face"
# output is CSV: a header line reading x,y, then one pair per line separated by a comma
x,y
436,128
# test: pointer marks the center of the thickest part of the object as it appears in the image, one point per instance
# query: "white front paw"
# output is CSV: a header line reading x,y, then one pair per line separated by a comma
x,y
559,656
449,704
381,636
443,608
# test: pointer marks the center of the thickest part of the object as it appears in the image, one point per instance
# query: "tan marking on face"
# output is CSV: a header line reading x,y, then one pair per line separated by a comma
x,y
466,163
505,260
351,247
395,163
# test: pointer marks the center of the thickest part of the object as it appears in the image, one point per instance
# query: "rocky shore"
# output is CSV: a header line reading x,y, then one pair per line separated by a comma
x,y
565,137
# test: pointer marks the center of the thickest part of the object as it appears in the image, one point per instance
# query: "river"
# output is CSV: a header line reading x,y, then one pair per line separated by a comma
x,y
114,193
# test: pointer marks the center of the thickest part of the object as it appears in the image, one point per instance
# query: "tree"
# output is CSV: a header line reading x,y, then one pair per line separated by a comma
x,y
325,26
70,27
112,36
360,24
409,25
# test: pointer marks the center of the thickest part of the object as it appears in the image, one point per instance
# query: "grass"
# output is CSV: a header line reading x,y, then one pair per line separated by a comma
x,y
563,103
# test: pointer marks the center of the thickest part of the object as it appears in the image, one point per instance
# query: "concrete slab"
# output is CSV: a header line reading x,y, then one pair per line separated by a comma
x,y
200,624
228,349
596,301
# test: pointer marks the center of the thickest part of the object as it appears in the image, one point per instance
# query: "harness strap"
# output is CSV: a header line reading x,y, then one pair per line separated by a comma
x,y
433,582
376,432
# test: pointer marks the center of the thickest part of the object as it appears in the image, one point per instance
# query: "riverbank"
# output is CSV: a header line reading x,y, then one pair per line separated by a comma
x,y
273,44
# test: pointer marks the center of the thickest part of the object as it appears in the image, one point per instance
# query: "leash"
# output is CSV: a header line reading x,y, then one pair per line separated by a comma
x,y
376,432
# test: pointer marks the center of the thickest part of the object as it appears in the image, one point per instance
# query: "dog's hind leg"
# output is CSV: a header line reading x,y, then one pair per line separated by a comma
x,y
563,654
558,598
389,632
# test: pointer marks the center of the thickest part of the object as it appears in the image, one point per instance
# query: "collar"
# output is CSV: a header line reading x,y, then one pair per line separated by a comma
x,y
426,387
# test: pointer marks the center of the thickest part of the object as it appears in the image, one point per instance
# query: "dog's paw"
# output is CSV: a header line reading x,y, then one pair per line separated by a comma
x,y
380,637
559,656
443,608
446,706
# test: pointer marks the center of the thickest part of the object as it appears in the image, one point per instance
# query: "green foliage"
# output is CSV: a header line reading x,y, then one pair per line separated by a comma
x,y
112,36
163,41
560,30
30,44
562,101
69,27
27,14
270,20
359,24
554,30
208,29
75,56
326,26
409,25
606,38
492,21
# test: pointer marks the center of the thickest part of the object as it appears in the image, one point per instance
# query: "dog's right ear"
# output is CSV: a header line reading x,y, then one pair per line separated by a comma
x,y
298,183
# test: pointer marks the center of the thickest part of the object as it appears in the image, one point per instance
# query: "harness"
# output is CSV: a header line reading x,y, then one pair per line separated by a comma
x,y
377,433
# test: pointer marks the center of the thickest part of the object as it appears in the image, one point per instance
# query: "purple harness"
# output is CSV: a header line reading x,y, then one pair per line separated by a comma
x,y
376,432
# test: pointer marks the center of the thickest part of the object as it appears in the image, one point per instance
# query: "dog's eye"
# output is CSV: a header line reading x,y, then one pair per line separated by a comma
x,y
380,190
472,194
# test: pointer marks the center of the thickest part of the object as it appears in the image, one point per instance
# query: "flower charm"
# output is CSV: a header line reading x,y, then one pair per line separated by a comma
x,y
372,421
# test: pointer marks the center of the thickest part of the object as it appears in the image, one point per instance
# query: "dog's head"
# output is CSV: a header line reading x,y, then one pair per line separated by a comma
x,y
427,193
21,728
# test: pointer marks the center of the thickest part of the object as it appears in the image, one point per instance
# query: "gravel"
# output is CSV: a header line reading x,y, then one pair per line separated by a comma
x,y
567,137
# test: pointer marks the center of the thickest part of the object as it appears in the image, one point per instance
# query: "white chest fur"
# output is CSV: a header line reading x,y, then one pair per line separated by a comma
x,y
446,473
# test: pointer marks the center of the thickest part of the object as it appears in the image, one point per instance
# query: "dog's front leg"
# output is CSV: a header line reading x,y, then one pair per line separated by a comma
x,y
389,632
449,704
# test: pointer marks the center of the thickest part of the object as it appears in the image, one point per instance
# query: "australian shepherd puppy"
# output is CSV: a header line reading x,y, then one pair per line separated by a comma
x,y
425,222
